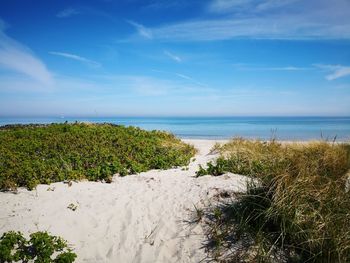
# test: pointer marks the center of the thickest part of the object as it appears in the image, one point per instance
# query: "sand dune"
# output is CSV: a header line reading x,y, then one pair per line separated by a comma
x,y
138,218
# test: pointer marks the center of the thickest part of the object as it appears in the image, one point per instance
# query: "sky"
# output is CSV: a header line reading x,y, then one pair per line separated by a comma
x,y
174,58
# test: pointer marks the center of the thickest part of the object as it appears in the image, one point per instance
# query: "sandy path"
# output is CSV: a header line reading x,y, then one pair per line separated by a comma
x,y
138,218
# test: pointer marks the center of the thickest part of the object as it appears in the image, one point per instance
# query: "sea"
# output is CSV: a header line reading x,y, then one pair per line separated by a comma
x,y
264,128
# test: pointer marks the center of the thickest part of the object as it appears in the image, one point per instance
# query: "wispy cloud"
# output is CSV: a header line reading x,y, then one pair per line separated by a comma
x,y
251,6
84,10
141,29
314,19
18,58
146,86
247,6
225,6
182,76
257,28
173,56
273,4
68,12
77,58
289,68
167,4
140,94
336,71
264,68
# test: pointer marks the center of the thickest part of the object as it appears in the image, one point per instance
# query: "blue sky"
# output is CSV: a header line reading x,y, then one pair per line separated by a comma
x,y
174,58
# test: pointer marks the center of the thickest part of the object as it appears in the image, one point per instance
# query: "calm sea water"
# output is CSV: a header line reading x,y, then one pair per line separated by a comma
x,y
282,128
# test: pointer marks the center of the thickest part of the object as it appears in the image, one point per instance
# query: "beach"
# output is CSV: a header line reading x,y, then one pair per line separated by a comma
x,y
175,131
137,218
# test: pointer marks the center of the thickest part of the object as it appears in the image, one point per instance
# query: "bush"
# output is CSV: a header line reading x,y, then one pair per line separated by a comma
x,y
33,154
219,168
40,248
297,209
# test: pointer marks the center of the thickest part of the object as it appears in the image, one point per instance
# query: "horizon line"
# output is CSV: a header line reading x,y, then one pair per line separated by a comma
x,y
175,116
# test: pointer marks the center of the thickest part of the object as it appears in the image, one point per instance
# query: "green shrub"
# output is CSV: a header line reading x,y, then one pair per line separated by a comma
x,y
40,248
219,168
33,154
297,209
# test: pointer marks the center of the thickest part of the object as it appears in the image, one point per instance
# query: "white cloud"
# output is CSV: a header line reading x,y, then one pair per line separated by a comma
x,y
292,28
288,68
77,58
141,29
272,4
336,71
183,76
67,12
146,86
166,4
84,10
143,85
19,58
251,6
146,95
314,19
225,6
173,56
264,68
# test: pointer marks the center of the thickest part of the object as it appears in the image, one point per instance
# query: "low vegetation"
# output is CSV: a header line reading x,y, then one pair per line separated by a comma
x,y
296,208
41,247
34,154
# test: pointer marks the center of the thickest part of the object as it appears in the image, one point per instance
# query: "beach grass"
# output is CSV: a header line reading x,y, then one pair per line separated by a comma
x,y
42,154
296,207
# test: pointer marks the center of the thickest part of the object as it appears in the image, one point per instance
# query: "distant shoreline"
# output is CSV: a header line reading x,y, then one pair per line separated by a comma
x,y
223,128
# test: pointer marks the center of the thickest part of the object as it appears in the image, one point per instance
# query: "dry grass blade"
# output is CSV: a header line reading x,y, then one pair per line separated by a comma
x,y
299,211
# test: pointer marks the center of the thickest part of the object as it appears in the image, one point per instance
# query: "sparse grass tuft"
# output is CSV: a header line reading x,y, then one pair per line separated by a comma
x,y
297,208
198,214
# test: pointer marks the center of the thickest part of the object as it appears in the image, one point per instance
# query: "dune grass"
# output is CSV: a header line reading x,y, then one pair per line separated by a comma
x,y
34,154
296,208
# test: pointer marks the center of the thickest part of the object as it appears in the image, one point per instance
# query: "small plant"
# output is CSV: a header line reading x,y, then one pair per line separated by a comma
x,y
216,169
216,148
40,248
72,207
201,171
198,214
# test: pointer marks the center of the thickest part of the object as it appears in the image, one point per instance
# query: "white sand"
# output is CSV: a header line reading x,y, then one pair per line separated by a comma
x,y
137,218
